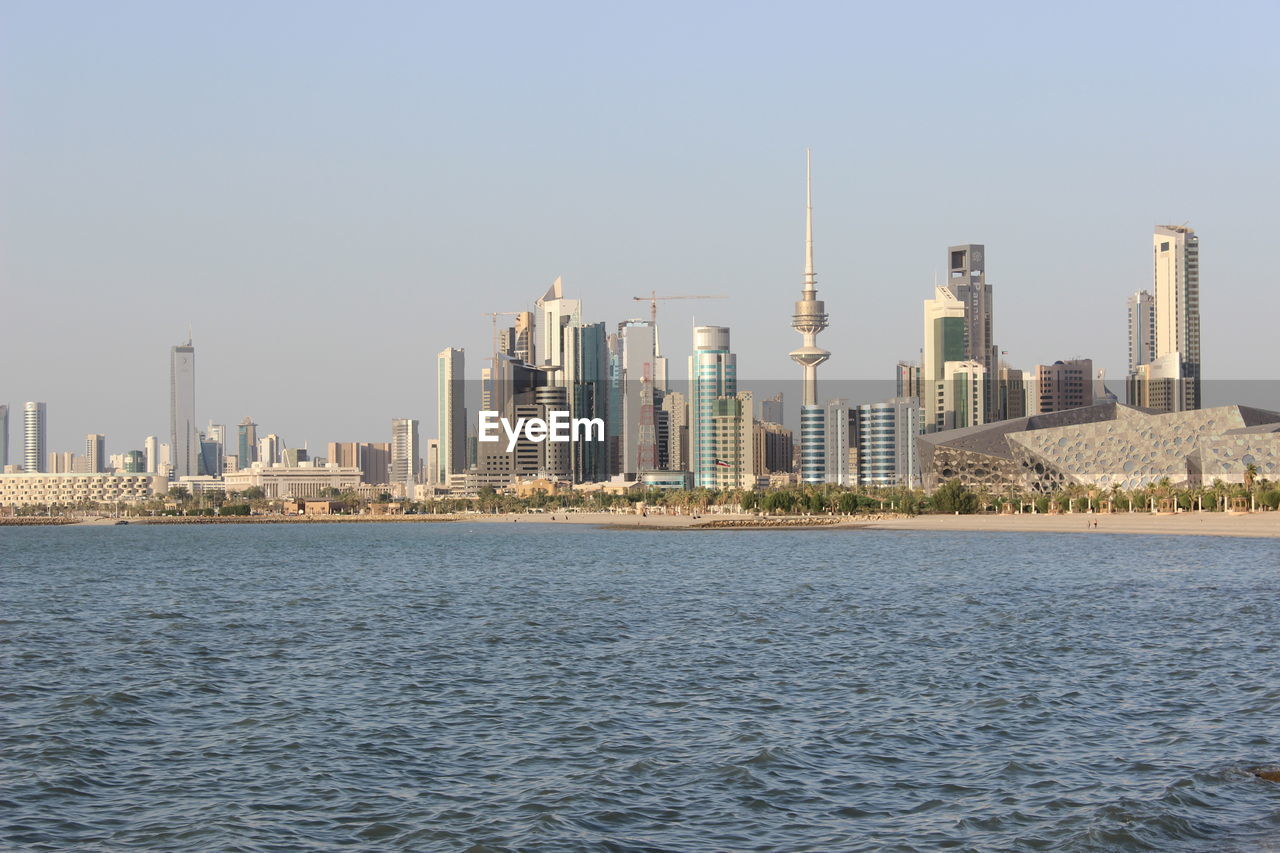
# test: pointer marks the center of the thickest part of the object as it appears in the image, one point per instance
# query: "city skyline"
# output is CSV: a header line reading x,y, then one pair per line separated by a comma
x,y
174,174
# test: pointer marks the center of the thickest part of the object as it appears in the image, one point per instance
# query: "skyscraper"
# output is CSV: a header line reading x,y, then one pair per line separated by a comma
x,y
151,451
1064,385
4,436
183,433
555,316
587,360
944,341
451,415
713,373
1176,251
34,432
967,282
405,453
95,453
809,319
1142,329
248,440
638,431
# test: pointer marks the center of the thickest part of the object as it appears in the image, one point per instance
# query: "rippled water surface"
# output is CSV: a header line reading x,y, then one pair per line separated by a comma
x,y
542,687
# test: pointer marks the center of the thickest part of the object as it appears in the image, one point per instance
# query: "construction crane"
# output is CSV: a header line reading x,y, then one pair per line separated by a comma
x,y
494,315
653,298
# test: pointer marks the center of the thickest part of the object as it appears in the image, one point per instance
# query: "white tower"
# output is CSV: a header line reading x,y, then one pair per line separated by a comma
x,y
809,319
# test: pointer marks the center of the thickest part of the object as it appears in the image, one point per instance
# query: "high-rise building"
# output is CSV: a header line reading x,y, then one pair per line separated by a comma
x,y
774,448
63,462
183,432
944,341
35,434
713,373
675,408
967,282
884,435
248,442
587,363
151,450
730,444
907,380
963,394
269,447
95,453
134,462
840,449
809,319
1064,385
555,317
4,436
1176,250
1011,393
638,432
771,410
405,453
1142,329
451,414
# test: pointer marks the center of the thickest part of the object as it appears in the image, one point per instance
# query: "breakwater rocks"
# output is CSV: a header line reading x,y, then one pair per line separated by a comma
x,y
33,521
1270,772
772,522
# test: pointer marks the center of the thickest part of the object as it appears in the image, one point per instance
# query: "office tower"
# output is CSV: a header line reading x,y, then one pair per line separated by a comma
x,y
269,450
713,373
62,462
405,453
675,408
374,462
809,319
4,436
35,434
248,442
1142,329
151,449
729,442
293,457
963,401
182,410
433,463
884,435
944,341
451,414
907,380
638,432
967,282
555,316
95,453
1176,250
1064,385
587,362
774,448
343,454
771,411
1011,393
522,347
211,458
840,450
135,462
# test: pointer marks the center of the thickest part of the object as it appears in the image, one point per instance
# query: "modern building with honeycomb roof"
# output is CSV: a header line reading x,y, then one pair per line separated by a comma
x,y
1105,445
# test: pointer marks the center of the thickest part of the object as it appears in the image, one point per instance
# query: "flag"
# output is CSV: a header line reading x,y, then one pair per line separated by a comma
x,y
721,463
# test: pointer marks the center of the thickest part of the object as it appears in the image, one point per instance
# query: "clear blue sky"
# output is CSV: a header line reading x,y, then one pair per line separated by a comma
x,y
330,193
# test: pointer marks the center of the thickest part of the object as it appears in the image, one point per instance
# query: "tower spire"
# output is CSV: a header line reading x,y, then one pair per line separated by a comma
x,y
809,283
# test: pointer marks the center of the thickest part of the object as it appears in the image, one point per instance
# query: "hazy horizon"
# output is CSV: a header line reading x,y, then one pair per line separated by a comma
x,y
328,195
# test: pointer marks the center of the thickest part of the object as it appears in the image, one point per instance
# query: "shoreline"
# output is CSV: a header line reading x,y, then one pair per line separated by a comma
x,y
1260,525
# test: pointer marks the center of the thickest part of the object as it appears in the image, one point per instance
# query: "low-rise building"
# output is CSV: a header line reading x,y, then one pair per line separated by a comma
x,y
68,489
302,481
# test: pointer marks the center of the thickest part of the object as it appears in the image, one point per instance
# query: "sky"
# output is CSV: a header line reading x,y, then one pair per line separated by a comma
x,y
327,194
